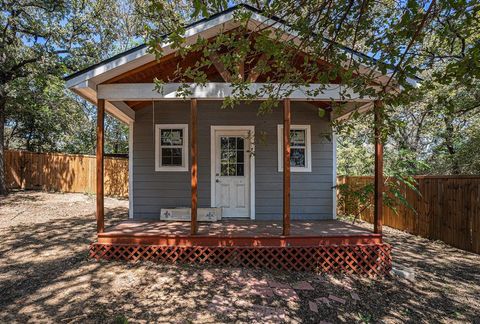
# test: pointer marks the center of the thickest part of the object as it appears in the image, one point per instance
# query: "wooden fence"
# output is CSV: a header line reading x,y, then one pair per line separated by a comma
x,y
447,209
64,172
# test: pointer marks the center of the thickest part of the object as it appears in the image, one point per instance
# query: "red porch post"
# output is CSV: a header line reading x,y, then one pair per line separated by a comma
x,y
286,167
378,211
194,150
100,161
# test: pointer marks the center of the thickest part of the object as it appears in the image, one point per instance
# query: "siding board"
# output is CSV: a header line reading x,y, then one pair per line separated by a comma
x,y
311,192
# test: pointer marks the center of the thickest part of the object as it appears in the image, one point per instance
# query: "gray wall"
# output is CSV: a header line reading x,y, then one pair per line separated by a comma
x,y
311,192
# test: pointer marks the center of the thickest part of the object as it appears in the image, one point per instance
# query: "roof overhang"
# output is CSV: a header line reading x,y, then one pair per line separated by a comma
x,y
85,82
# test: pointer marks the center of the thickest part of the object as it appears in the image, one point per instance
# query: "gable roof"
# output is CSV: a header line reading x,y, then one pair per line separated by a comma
x,y
144,46
85,82
195,28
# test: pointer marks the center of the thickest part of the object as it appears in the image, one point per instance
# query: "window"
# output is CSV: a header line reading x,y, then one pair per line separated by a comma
x,y
232,155
171,153
300,148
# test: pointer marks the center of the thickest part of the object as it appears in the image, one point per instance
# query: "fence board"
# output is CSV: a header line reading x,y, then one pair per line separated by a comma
x,y
447,209
64,172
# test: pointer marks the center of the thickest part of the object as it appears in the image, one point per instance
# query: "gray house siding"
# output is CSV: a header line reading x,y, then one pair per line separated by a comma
x,y
311,192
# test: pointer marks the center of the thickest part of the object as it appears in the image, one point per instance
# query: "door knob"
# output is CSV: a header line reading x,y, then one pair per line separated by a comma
x,y
217,180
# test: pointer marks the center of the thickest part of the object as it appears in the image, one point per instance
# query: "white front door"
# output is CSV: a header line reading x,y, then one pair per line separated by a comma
x,y
232,172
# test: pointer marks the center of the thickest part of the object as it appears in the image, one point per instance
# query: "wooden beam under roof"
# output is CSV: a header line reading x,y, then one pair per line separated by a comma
x,y
217,62
255,71
220,90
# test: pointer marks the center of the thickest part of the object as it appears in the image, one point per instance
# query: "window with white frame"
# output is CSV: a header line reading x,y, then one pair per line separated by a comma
x,y
300,148
171,150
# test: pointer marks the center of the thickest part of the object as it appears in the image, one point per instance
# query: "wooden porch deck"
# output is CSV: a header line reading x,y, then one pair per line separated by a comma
x,y
238,233
328,246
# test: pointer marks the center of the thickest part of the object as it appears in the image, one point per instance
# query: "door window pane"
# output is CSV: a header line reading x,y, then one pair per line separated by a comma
x,y
232,143
224,169
224,144
240,170
232,156
240,156
240,141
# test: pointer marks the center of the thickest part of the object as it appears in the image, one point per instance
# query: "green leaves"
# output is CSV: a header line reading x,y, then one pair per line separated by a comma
x,y
356,195
384,30
41,42
199,8
321,112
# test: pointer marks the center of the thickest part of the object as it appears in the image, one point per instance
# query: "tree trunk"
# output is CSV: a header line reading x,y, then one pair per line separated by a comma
x,y
28,145
449,136
3,182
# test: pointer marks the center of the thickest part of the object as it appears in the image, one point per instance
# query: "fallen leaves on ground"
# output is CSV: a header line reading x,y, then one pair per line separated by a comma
x,y
45,275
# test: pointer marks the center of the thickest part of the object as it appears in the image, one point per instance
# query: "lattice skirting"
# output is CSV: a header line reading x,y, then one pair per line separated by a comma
x,y
363,259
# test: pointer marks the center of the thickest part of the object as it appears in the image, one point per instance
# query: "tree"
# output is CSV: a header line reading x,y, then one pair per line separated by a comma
x,y
39,39
405,39
441,127
436,134
42,41
40,114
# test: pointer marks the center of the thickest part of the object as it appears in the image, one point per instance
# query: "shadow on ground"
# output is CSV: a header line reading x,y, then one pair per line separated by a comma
x,y
45,275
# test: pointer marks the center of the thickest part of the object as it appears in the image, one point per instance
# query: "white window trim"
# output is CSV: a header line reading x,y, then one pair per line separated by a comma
x,y
308,146
158,158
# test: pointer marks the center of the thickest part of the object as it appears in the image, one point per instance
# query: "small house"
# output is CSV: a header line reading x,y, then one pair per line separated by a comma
x,y
227,186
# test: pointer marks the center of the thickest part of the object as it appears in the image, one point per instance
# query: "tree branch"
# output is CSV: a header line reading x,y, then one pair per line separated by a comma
x,y
412,41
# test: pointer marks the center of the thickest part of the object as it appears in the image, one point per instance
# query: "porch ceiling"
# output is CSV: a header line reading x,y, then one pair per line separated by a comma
x,y
164,69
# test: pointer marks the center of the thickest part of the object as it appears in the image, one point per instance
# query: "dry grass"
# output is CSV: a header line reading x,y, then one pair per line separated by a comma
x,y
45,276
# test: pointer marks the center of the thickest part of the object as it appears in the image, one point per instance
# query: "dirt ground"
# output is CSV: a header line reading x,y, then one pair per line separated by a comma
x,y
45,276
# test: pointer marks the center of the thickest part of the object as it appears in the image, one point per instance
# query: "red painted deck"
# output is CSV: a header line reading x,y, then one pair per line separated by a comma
x,y
238,233
328,246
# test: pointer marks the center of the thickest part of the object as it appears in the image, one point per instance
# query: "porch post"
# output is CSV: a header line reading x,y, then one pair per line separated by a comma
x,y
286,167
194,152
378,203
100,162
